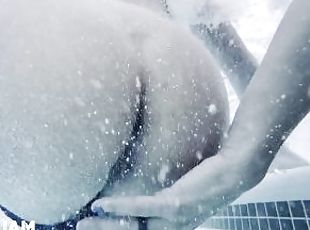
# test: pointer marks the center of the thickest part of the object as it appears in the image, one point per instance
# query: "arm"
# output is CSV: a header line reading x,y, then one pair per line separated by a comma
x,y
230,52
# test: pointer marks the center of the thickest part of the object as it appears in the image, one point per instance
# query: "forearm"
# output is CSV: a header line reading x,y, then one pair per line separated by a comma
x,y
278,96
275,102
230,52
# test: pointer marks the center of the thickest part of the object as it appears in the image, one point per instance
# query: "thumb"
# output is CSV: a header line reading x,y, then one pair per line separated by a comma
x,y
142,206
99,224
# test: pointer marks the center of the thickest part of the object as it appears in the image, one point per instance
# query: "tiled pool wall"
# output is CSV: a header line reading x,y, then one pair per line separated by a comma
x,y
280,215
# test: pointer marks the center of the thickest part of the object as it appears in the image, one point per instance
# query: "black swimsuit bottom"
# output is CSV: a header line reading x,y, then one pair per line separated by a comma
x,y
71,223
119,171
66,225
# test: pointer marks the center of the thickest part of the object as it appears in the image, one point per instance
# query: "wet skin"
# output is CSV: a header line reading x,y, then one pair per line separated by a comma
x,y
96,102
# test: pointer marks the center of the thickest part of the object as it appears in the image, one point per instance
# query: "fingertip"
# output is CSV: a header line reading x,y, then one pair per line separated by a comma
x,y
97,208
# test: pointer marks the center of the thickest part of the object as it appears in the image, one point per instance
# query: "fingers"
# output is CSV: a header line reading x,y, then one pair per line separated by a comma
x,y
134,206
142,206
101,224
125,224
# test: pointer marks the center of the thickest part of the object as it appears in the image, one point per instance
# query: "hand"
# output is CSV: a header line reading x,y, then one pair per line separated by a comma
x,y
187,203
95,223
